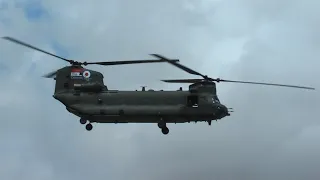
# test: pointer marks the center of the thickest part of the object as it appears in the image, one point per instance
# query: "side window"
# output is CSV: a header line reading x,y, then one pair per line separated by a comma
x,y
192,101
213,100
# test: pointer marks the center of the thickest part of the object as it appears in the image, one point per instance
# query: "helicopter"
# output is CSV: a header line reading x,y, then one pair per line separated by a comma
x,y
83,93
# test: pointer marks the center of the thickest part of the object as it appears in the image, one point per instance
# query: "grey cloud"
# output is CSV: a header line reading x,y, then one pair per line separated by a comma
x,y
271,135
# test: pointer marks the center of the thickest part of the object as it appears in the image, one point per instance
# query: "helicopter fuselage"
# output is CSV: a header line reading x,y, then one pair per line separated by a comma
x,y
112,106
84,94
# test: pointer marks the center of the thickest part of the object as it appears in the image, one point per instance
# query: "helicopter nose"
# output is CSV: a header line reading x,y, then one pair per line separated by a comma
x,y
223,110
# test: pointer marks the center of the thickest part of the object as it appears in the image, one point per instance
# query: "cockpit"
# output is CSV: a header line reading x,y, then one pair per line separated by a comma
x,y
213,99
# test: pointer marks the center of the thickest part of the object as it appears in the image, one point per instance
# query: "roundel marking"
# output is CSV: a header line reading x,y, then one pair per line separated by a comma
x,y
86,74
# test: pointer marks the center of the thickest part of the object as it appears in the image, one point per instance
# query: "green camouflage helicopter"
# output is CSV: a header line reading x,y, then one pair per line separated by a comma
x,y
85,95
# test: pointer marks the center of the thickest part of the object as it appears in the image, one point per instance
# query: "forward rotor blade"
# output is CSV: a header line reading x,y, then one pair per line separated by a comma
x,y
110,63
35,48
188,70
183,80
243,82
261,83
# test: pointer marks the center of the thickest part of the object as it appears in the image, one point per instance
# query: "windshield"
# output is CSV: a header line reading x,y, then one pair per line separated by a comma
x,y
213,99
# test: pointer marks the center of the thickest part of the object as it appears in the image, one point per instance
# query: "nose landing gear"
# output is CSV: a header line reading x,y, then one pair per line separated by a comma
x,y
165,130
163,126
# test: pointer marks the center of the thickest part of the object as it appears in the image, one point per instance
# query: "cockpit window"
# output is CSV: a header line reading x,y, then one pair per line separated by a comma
x,y
213,100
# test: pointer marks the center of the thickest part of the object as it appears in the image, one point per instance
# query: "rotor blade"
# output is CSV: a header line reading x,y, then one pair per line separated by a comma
x,y
261,83
183,80
35,48
110,63
188,70
244,82
50,75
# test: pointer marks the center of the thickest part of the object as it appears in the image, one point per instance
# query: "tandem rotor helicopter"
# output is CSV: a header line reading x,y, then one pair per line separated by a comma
x,y
85,95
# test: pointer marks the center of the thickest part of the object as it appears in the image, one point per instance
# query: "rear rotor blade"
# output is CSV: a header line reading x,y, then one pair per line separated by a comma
x,y
35,48
188,70
50,75
261,83
110,63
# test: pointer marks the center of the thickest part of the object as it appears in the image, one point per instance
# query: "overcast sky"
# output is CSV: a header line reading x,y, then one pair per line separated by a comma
x,y
274,132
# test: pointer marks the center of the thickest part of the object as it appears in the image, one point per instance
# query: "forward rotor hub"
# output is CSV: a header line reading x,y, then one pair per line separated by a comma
x,y
206,78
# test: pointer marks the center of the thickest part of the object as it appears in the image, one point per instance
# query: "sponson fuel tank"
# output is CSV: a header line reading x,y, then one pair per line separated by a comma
x,y
127,110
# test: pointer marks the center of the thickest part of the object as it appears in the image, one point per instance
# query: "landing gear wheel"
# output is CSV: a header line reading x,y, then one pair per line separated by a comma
x,y
83,121
89,127
165,130
161,124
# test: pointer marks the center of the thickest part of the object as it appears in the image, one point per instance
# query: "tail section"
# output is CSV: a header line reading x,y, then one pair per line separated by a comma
x,y
71,77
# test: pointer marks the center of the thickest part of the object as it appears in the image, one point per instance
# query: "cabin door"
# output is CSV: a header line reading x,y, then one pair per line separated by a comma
x,y
192,101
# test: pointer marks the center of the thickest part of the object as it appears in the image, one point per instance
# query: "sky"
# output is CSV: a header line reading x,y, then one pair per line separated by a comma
x,y
273,134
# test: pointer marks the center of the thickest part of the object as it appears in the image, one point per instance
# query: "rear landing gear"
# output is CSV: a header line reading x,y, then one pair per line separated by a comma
x,y
164,129
83,121
88,126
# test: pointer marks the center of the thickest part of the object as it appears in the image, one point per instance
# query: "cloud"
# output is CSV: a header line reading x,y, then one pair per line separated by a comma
x,y
271,135
34,10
